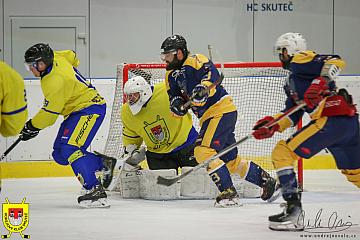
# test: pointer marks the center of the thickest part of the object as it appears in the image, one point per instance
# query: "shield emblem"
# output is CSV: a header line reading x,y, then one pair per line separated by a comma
x,y
158,131
15,217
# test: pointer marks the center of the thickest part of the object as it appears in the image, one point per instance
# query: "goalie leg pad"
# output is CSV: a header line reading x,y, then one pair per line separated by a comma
x,y
129,184
197,185
149,189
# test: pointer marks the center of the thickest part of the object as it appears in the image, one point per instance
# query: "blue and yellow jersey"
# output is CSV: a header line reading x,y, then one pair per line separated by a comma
x,y
305,67
195,70
160,130
65,90
13,105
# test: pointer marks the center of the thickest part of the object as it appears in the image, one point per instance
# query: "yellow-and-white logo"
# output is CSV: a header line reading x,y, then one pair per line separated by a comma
x,y
15,217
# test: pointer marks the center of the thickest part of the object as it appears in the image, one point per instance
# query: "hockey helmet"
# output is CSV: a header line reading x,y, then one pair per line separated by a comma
x,y
292,42
39,52
137,93
173,43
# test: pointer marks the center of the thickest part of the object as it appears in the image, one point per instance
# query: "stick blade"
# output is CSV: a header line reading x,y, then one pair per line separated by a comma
x,y
166,181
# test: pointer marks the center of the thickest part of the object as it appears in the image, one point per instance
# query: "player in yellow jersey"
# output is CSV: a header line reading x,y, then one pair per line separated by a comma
x,y
13,104
188,76
147,118
69,94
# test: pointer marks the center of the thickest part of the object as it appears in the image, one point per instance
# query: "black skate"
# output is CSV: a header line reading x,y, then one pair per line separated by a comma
x,y
228,198
108,170
270,189
291,219
94,198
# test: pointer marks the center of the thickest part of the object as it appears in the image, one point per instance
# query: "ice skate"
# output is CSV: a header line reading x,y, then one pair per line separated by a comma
x,y
291,219
228,198
270,189
94,198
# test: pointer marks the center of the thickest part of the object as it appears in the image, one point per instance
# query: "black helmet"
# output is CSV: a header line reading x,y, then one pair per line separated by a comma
x,y
39,52
174,43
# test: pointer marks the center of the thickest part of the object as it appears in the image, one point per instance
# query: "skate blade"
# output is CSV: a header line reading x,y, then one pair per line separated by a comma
x,y
287,226
228,204
100,203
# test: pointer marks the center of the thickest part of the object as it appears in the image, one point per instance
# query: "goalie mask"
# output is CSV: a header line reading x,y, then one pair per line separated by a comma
x,y
137,92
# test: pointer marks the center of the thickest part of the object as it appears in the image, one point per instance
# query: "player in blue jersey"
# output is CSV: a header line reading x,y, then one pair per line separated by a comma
x,y
334,123
69,94
187,75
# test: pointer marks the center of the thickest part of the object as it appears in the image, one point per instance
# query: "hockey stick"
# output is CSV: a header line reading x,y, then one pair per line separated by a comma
x,y
10,148
6,153
203,92
170,181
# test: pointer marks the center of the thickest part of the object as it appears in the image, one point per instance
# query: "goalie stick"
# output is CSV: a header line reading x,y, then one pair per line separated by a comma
x,y
170,181
119,167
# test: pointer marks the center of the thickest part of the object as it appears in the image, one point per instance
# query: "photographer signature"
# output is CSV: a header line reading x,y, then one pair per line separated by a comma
x,y
333,224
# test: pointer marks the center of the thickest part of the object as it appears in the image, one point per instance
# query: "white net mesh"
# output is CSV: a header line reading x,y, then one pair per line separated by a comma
x,y
257,90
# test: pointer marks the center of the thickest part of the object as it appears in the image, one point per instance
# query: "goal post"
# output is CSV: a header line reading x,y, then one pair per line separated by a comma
x,y
257,91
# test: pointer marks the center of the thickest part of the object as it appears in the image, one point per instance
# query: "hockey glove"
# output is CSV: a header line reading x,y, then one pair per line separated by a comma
x,y
262,132
315,93
176,106
29,131
200,94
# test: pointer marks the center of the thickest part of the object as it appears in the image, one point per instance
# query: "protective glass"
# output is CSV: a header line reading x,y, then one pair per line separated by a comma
x,y
28,66
167,56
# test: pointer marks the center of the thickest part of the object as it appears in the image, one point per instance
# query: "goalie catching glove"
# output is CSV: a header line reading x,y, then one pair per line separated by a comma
x,y
133,155
261,131
29,131
316,92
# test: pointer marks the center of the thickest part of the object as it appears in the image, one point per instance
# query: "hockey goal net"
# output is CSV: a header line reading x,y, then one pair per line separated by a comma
x,y
257,91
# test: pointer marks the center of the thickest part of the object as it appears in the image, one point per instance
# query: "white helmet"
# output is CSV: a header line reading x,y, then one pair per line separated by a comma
x,y
293,42
139,85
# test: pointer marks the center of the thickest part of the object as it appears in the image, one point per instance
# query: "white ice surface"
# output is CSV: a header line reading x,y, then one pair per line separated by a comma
x,y
54,213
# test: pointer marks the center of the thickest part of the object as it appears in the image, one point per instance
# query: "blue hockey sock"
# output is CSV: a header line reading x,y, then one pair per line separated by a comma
x,y
221,178
85,168
288,183
254,174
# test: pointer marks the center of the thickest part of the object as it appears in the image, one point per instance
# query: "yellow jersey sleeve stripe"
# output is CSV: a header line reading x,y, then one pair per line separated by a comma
x,y
16,111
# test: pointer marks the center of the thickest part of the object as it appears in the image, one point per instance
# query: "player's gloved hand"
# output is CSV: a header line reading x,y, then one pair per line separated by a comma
x,y
29,131
200,94
262,132
315,93
176,106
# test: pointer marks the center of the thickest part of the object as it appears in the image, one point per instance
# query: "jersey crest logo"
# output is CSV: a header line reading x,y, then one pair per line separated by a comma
x,y
15,217
158,132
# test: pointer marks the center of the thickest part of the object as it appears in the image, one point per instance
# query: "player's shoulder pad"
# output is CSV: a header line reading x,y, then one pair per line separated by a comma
x,y
196,61
304,57
69,55
336,60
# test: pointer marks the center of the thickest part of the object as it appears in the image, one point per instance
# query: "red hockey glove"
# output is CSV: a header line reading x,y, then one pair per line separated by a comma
x,y
262,132
315,93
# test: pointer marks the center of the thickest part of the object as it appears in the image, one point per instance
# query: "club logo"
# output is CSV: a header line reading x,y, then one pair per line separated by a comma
x,y
158,132
15,218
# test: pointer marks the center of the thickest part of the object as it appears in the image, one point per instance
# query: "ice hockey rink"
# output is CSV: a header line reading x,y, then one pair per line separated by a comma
x,y
331,205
